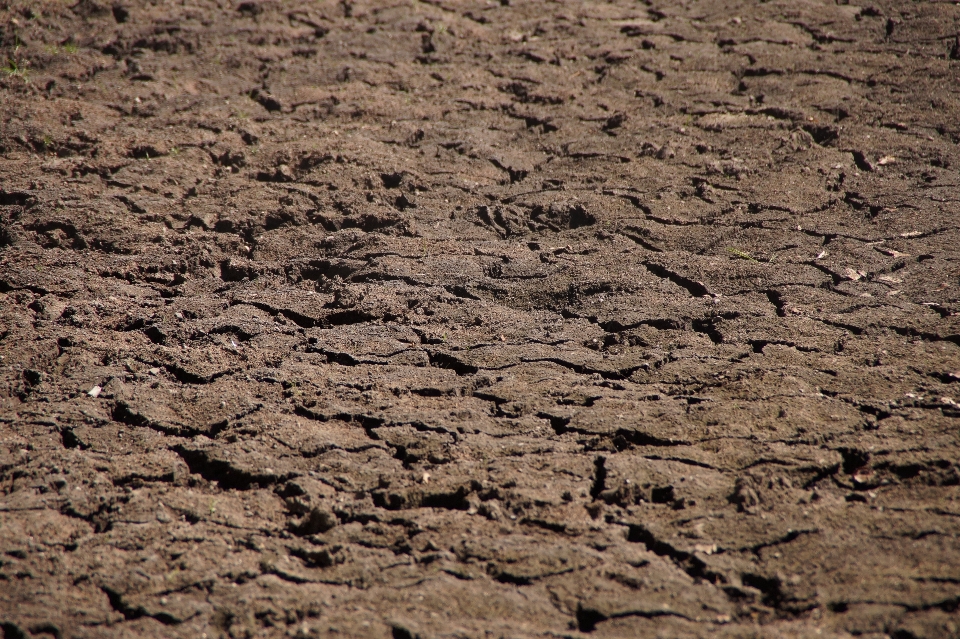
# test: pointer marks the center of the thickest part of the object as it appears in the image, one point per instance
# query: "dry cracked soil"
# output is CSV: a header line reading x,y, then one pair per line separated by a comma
x,y
479,319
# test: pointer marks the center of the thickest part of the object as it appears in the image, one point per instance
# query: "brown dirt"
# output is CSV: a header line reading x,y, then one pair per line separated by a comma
x,y
479,319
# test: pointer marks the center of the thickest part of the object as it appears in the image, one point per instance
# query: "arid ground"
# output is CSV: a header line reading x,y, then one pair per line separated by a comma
x,y
479,319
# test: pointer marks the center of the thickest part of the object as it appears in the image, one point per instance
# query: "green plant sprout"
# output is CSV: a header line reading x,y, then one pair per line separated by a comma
x,y
68,48
740,254
13,68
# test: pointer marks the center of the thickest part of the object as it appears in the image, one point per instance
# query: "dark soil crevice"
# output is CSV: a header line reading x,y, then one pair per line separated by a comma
x,y
227,475
696,289
690,564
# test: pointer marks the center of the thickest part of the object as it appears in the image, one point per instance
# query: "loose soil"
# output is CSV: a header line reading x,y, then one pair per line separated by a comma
x,y
479,319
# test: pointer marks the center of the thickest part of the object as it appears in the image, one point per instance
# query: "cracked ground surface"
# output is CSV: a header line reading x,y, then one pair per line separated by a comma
x,y
467,319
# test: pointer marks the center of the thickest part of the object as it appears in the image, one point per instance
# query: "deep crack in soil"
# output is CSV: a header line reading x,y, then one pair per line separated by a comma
x,y
479,319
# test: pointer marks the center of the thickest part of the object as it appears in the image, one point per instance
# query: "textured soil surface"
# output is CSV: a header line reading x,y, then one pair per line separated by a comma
x,y
479,319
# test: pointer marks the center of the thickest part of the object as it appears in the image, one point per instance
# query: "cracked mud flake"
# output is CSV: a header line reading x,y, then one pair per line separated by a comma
x,y
466,319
